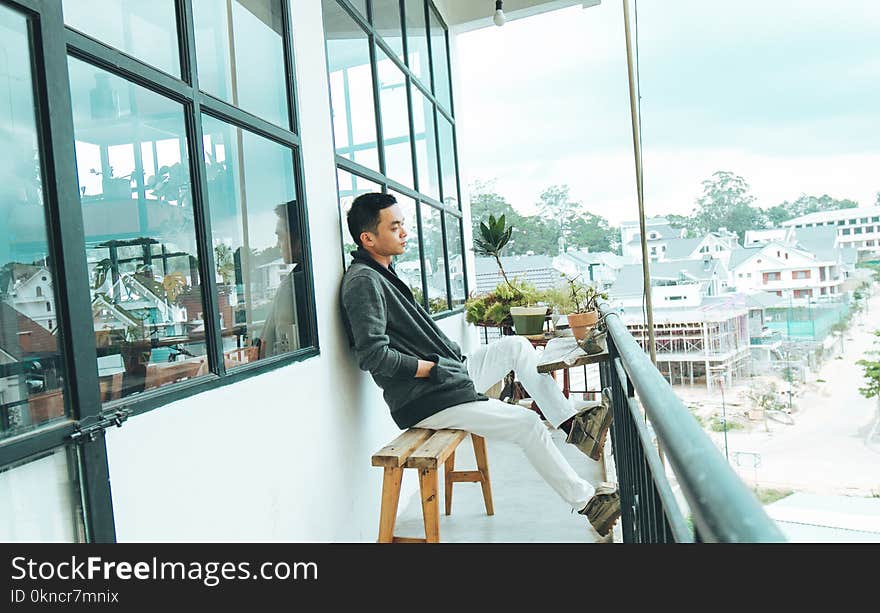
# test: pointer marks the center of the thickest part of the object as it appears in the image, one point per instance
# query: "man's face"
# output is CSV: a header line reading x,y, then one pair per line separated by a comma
x,y
390,236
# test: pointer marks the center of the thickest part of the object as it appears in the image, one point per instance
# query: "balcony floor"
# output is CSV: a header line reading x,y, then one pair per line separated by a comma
x,y
527,510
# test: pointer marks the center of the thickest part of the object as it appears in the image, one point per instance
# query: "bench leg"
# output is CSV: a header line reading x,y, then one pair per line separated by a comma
x,y
430,504
450,468
483,467
390,499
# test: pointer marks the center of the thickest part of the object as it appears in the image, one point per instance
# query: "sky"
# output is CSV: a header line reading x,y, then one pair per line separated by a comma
x,y
784,93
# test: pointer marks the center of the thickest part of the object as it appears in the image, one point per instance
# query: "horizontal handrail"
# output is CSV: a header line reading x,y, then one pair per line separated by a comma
x,y
723,508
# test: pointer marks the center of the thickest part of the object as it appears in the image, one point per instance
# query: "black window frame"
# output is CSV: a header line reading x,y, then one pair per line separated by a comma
x,y
425,87
51,44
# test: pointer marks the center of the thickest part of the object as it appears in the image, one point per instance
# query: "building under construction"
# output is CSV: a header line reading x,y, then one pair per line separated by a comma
x,y
691,342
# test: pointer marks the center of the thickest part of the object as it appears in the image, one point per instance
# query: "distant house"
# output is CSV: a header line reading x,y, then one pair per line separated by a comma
x,y
857,228
658,234
600,267
805,266
139,298
717,244
29,291
535,269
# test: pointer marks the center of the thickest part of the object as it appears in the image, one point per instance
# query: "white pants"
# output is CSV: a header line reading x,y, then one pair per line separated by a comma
x,y
498,420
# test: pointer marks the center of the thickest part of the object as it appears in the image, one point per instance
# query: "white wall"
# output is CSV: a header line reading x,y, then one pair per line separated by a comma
x,y
284,456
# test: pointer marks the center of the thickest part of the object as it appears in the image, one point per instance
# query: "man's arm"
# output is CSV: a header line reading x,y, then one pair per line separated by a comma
x,y
364,305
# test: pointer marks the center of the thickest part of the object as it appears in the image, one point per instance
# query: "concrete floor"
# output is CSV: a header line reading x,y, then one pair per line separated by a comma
x,y
527,510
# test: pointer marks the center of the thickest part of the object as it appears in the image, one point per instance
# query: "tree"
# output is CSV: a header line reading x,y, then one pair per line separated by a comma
x,y
727,203
594,233
872,375
558,210
806,205
683,222
877,202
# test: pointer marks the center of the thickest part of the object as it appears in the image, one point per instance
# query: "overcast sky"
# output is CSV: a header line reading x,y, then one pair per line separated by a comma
x,y
786,94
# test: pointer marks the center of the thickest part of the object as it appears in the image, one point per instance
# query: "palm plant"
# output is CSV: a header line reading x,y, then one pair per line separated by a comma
x,y
493,238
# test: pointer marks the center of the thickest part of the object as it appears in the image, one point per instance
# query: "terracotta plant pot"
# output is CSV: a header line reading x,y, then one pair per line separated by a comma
x,y
528,320
581,322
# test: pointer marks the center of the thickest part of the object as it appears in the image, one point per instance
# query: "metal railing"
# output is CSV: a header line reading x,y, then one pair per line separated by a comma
x,y
722,507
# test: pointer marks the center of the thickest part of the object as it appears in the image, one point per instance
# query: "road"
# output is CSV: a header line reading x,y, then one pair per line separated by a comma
x,y
827,449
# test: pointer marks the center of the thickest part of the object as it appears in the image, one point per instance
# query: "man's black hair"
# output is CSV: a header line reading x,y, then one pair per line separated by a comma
x,y
363,216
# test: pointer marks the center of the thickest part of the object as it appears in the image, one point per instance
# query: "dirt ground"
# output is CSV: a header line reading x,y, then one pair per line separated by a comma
x,y
828,448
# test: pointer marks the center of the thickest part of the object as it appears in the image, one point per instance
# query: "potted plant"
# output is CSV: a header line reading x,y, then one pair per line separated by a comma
x,y
583,305
494,308
511,302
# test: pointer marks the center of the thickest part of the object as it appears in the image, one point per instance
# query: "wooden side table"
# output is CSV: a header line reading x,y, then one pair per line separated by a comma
x,y
563,353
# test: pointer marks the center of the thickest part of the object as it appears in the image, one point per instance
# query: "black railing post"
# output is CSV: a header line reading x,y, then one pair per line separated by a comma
x,y
723,508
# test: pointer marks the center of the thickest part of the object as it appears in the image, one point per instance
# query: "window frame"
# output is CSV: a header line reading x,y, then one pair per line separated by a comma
x,y
51,44
425,87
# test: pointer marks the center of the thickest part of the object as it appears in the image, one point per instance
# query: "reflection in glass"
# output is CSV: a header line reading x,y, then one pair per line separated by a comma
x,y
350,187
447,162
240,52
440,62
351,87
408,265
426,144
417,39
30,362
456,259
433,259
145,30
386,22
40,501
395,120
134,182
258,251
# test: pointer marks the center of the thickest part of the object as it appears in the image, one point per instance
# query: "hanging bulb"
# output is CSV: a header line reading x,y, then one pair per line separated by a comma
x,y
498,19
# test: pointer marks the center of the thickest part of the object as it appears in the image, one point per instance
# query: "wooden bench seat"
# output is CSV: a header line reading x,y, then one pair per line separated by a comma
x,y
425,450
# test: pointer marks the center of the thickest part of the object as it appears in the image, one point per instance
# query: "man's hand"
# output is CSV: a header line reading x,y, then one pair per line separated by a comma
x,y
424,369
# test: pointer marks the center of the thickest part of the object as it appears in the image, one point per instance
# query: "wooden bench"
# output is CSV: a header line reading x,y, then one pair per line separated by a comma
x,y
425,450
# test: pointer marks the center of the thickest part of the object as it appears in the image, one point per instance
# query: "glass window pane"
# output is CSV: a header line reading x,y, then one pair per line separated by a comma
x,y
39,500
409,265
456,259
30,361
144,30
417,38
240,51
256,222
350,187
386,22
134,182
351,87
447,162
395,120
426,144
440,62
433,258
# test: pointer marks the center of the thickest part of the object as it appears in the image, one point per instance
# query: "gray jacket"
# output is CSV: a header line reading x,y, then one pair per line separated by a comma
x,y
390,333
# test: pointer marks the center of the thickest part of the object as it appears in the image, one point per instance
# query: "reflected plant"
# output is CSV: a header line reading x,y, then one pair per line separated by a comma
x,y
224,263
171,184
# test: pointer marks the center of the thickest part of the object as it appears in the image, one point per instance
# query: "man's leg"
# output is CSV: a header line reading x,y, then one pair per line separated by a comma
x,y
497,420
489,363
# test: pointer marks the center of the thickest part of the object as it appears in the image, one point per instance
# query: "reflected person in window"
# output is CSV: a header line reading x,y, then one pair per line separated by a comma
x,y
428,383
286,325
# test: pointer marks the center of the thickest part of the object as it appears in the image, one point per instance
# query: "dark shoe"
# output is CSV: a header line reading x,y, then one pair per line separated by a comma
x,y
589,428
603,509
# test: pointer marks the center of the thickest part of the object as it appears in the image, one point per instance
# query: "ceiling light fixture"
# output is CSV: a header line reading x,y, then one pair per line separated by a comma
x,y
498,19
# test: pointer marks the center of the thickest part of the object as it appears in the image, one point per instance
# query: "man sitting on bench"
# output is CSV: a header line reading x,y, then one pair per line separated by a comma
x,y
428,383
